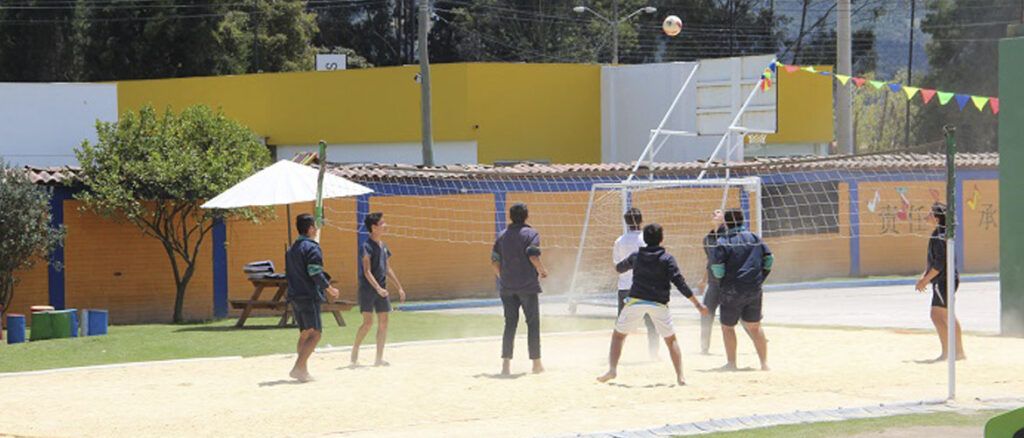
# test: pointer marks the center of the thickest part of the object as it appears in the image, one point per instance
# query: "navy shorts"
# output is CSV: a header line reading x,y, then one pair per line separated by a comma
x,y
307,314
733,308
939,296
371,301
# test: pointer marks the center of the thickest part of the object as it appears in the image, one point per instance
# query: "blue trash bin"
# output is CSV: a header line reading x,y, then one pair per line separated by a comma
x,y
94,322
15,328
74,323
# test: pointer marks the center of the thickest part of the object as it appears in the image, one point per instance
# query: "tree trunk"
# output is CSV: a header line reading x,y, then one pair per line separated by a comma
x,y
182,285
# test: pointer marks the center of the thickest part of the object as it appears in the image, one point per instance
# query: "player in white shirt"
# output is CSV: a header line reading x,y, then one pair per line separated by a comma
x,y
627,244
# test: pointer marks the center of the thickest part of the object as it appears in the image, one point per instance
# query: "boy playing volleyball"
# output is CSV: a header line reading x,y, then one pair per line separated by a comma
x,y
373,293
307,282
654,271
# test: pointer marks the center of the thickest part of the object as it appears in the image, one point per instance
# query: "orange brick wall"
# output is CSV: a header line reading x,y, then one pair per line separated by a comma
x,y
981,226
32,289
114,266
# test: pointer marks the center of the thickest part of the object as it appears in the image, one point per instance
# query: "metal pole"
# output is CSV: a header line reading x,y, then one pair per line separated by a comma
x,y
844,120
319,206
732,126
759,212
650,142
950,132
615,32
427,128
910,73
579,253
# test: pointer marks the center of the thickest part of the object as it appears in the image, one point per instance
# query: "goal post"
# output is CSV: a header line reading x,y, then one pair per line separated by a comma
x,y
682,206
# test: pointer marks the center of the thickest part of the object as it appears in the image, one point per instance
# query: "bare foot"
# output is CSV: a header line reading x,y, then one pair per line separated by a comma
x,y
961,357
606,377
355,357
764,367
681,381
300,375
728,367
506,367
381,363
537,367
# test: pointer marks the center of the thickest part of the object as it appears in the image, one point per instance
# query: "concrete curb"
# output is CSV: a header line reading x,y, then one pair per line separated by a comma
x,y
799,417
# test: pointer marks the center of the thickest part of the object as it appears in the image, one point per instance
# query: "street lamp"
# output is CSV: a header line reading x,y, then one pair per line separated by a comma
x,y
615,22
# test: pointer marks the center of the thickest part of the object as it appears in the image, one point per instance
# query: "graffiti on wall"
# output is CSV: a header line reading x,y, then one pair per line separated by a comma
x,y
902,215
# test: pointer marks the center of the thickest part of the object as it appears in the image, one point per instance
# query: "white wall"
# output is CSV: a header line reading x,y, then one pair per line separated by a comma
x,y
42,124
445,152
634,99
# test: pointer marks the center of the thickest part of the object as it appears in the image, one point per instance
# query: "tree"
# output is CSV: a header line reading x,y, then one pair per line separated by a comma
x,y
154,171
963,55
880,116
39,41
25,231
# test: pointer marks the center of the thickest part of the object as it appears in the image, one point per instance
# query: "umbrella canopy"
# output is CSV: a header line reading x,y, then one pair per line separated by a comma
x,y
284,182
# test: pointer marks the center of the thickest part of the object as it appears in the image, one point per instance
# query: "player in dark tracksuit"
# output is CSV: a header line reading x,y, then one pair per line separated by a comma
x,y
307,282
711,295
740,262
515,258
935,273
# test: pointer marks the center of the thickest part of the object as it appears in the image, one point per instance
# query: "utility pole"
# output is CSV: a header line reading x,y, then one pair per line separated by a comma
x,y
844,121
615,32
255,36
427,128
910,73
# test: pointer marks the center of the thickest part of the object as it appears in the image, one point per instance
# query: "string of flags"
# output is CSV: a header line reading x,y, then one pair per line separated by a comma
x,y
927,94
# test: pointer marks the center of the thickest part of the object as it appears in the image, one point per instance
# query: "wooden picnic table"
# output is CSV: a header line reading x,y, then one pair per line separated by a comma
x,y
278,302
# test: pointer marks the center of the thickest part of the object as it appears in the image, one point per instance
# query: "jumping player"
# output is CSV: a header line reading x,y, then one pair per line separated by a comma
x,y
654,273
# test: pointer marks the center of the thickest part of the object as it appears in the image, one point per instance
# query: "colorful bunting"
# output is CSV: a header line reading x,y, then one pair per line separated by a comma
x,y
979,102
962,99
927,94
944,97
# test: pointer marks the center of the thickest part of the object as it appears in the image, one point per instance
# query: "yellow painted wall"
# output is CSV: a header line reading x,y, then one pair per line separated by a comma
x,y
513,111
981,226
804,107
32,289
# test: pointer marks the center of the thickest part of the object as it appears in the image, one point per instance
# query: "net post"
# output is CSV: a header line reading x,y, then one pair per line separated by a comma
x,y
579,253
950,133
320,189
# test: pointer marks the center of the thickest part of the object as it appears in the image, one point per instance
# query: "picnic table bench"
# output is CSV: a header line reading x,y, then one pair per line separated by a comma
x,y
278,302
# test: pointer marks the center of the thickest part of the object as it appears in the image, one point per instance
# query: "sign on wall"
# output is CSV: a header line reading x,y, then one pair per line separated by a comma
x,y
332,61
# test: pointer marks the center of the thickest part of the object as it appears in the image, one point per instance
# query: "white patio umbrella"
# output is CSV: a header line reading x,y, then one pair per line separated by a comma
x,y
284,182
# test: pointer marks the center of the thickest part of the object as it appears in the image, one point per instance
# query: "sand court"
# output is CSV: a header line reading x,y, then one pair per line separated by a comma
x,y
449,388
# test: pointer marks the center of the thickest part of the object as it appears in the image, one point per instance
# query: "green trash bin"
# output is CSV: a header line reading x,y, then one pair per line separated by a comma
x,y
42,326
1008,425
61,323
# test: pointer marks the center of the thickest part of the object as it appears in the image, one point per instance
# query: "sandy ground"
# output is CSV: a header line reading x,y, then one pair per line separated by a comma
x,y
447,389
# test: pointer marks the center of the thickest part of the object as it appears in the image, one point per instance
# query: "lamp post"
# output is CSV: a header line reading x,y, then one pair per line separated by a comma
x,y
615,22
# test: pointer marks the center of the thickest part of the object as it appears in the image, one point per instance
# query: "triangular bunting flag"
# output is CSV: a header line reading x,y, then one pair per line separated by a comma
x,y
779,64
809,69
961,100
927,95
772,66
944,97
792,68
979,102
876,84
843,78
825,73
895,87
994,104
911,91
859,81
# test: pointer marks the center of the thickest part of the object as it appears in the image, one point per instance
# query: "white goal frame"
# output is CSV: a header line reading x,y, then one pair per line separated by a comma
x,y
752,185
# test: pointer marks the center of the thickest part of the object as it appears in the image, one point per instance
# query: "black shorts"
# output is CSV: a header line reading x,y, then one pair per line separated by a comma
x,y
734,308
307,314
371,301
939,296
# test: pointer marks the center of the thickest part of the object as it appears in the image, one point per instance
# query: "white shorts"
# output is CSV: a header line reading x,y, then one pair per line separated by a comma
x,y
633,315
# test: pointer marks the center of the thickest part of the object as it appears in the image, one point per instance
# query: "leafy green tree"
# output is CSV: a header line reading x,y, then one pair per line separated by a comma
x,y
39,41
880,116
25,232
286,33
154,171
963,55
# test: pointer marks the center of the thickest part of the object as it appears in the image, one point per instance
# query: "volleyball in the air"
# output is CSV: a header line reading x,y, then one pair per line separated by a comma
x,y
672,25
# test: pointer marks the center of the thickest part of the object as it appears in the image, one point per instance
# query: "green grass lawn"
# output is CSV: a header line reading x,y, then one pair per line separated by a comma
x,y
861,426
140,343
